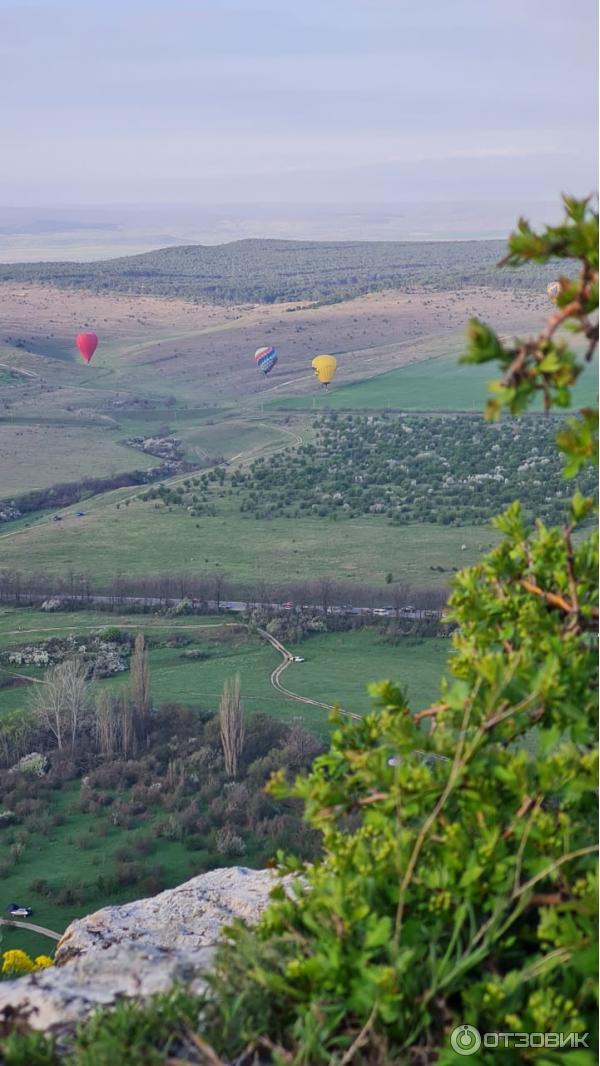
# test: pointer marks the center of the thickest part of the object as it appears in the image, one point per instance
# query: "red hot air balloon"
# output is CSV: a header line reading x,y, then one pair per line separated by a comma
x,y
87,344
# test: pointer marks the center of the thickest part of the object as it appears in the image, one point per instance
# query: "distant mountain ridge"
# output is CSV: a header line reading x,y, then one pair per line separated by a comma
x,y
272,271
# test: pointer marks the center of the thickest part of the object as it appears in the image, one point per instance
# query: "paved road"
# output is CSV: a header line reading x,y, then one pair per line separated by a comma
x,y
411,613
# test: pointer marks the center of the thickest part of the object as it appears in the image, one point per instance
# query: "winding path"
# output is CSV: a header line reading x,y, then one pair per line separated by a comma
x,y
288,658
33,928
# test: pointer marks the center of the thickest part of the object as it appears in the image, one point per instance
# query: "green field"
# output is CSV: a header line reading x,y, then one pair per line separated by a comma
x,y
24,624
38,456
141,540
233,436
438,384
338,667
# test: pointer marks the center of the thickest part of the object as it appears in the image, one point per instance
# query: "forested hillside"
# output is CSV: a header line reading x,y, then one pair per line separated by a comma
x,y
268,271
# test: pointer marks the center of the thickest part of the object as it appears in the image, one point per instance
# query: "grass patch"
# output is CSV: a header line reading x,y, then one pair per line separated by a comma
x,y
437,384
41,455
340,666
141,540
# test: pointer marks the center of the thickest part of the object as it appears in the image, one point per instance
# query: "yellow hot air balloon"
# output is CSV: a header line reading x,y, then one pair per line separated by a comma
x,y
325,367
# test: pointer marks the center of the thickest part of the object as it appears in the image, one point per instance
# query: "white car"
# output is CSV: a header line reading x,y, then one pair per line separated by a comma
x,y
297,659
19,912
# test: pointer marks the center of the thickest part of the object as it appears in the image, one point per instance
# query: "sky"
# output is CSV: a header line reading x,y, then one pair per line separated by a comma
x,y
296,101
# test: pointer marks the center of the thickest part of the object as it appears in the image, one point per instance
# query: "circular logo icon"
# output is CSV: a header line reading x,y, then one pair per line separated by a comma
x,y
465,1040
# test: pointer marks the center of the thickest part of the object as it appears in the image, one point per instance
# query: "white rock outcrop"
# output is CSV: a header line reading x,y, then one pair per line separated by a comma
x,y
136,949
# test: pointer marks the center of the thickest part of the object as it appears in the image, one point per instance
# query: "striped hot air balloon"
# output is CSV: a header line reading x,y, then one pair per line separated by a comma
x,y
265,358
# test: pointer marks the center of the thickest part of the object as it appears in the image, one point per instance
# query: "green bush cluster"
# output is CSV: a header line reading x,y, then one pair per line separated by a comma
x,y
447,469
128,810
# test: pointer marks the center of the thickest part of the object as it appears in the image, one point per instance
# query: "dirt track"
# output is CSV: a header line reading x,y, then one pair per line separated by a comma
x,y
33,928
278,671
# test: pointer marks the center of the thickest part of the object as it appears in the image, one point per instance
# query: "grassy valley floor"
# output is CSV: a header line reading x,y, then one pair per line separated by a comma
x,y
140,540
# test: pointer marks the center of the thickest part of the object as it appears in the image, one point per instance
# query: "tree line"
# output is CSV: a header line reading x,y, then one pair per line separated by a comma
x,y
205,593
66,493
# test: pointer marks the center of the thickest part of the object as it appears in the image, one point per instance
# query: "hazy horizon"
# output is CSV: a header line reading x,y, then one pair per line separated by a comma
x,y
335,101
83,232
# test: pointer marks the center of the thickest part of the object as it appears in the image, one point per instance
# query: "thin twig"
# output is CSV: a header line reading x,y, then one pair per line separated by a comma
x,y
551,598
552,867
523,842
529,884
209,1052
430,712
572,310
361,1039
571,568
264,1041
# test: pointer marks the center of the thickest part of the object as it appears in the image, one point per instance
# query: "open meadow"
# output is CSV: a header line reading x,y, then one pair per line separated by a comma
x,y
435,383
140,540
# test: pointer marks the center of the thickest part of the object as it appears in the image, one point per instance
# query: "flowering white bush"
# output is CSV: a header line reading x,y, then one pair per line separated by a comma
x,y
34,763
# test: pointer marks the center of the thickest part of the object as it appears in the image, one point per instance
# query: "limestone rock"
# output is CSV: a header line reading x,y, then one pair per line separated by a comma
x,y
136,949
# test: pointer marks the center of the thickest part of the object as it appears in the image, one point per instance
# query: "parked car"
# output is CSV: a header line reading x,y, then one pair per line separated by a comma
x,y
16,911
297,659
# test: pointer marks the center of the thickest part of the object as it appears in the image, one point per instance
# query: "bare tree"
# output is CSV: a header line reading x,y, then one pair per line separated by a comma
x,y
127,727
400,594
107,724
140,686
62,700
231,719
218,583
325,593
